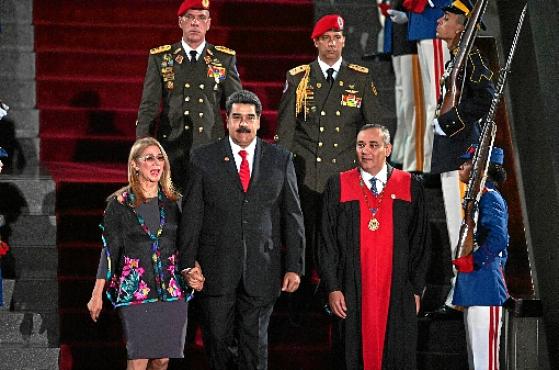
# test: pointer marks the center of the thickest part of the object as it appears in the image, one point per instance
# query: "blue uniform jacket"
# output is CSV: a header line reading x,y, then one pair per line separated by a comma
x,y
422,26
486,286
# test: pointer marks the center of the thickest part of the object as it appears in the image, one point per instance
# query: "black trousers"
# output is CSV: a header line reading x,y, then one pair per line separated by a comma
x,y
235,330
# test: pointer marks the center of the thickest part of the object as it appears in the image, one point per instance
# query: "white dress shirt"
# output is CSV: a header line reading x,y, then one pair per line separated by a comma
x,y
381,176
324,67
250,153
188,49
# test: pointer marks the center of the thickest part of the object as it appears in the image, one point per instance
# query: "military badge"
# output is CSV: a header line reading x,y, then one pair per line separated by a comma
x,y
217,73
351,100
179,58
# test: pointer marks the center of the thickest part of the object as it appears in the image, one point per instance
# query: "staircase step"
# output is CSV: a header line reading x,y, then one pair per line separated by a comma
x,y
86,226
17,65
104,63
164,12
35,296
35,262
43,226
79,258
90,148
26,122
7,293
141,38
16,36
29,358
18,93
28,193
16,11
108,93
19,330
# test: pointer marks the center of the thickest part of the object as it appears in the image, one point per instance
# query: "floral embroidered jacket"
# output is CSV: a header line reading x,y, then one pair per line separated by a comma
x,y
141,262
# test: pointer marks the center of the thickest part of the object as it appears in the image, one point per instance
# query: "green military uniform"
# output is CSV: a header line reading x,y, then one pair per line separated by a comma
x,y
191,94
319,124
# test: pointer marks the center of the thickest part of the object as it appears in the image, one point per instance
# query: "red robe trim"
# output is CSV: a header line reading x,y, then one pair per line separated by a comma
x,y
376,250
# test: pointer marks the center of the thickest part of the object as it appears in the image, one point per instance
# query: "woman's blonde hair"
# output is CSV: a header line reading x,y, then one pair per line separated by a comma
x,y
165,182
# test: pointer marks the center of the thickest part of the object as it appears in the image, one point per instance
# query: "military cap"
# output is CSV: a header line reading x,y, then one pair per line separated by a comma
x,y
193,4
330,22
497,154
463,7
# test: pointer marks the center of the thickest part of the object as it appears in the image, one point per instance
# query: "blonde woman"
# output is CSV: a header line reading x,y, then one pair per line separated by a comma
x,y
137,266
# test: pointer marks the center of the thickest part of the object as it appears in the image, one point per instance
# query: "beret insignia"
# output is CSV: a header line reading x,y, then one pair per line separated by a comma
x,y
160,49
358,68
299,69
225,50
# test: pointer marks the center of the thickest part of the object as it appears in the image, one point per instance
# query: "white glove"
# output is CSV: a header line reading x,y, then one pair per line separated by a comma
x,y
2,113
397,16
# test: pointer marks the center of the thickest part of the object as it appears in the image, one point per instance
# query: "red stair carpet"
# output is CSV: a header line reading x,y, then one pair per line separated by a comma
x,y
91,60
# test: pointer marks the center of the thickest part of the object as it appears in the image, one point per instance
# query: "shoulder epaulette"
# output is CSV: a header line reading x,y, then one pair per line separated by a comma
x,y
160,49
225,50
358,68
299,69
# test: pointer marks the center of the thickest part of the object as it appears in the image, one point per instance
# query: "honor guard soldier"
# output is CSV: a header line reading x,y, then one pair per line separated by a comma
x,y
191,78
324,104
456,129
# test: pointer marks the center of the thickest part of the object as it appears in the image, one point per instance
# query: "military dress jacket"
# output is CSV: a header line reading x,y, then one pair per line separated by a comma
x,y
486,286
319,124
460,124
191,95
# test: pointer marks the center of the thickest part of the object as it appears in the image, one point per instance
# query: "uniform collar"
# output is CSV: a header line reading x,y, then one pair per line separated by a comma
x,y
324,67
187,49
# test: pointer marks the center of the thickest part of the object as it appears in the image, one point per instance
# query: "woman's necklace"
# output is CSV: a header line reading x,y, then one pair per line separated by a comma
x,y
374,223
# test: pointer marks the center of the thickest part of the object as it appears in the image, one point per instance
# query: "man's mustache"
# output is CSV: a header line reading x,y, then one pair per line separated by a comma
x,y
243,130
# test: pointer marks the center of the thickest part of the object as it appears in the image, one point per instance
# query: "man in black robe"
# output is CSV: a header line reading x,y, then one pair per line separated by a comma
x,y
373,258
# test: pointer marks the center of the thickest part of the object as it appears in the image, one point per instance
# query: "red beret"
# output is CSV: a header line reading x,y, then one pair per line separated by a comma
x,y
329,22
193,4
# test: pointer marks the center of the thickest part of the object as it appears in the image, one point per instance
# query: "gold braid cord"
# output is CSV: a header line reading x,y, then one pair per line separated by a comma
x,y
301,93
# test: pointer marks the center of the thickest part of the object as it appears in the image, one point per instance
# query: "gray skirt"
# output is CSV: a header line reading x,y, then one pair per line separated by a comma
x,y
154,330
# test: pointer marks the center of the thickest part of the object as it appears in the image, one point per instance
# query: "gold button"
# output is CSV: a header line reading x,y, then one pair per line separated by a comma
x,y
186,113
337,129
320,143
321,128
334,160
164,136
202,86
323,113
335,145
318,159
200,129
187,127
187,98
200,100
201,114
338,113
341,83
187,85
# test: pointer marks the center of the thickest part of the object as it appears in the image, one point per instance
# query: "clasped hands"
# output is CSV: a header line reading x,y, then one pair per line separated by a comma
x,y
195,279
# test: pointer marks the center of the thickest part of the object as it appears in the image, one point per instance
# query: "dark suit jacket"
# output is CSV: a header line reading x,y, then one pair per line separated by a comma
x,y
323,138
235,236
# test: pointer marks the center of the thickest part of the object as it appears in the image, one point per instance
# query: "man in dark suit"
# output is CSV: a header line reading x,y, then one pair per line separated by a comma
x,y
241,204
324,104
191,78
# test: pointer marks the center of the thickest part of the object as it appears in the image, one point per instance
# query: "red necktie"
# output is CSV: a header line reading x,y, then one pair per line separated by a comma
x,y
244,171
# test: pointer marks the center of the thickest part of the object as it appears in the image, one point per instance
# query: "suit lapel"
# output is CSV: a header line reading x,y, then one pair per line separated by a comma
x,y
229,162
258,153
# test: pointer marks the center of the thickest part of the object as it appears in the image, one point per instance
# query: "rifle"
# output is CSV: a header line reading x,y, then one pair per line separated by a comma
x,y
480,161
455,81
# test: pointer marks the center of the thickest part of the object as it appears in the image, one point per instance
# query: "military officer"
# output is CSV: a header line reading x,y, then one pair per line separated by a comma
x,y
323,106
191,78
